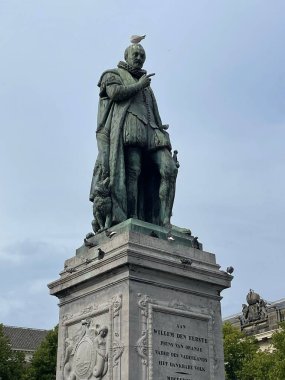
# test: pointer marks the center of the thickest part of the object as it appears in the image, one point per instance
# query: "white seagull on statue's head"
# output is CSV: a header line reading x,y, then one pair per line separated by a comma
x,y
136,39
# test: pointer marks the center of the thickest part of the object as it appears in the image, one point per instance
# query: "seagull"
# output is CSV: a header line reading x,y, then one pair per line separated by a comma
x,y
230,270
136,39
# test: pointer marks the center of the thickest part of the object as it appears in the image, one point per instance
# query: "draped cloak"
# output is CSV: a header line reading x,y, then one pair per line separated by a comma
x,y
110,124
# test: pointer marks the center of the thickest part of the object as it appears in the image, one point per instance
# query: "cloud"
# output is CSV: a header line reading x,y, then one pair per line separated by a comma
x,y
26,267
10,304
38,286
19,251
219,83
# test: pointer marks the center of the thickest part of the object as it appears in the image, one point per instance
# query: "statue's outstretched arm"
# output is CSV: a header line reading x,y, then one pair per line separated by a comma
x,y
119,92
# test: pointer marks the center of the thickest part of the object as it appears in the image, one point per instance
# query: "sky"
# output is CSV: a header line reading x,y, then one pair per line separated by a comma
x,y
219,84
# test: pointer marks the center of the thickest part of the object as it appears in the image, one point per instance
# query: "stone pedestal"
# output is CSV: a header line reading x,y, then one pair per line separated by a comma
x,y
140,305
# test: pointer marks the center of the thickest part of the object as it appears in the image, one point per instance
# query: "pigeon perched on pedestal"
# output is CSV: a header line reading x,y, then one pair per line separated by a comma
x,y
101,254
230,270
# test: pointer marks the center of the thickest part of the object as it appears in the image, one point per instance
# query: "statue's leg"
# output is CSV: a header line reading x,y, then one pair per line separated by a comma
x,y
133,156
168,173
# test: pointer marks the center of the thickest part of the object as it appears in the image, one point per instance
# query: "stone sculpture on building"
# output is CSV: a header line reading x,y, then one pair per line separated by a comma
x,y
101,356
134,149
255,310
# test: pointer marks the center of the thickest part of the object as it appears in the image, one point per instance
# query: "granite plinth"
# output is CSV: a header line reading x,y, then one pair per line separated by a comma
x,y
147,308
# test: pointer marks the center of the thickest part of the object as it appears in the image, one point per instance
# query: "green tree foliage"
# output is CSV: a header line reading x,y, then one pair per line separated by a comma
x,y
259,367
277,372
243,361
238,350
43,364
11,362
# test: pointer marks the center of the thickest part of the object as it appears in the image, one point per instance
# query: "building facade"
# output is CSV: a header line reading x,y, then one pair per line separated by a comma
x,y
259,318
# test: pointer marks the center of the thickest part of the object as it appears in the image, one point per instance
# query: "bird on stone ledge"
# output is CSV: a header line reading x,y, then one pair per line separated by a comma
x,y
101,254
137,39
230,270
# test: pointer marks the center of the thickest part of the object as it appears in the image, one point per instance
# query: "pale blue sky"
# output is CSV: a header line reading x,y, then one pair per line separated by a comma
x,y
219,83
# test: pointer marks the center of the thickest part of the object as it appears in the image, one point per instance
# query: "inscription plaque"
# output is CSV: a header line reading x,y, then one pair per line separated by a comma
x,y
180,346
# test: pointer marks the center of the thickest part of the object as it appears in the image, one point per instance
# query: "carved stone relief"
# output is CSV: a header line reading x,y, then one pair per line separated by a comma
x,y
92,342
86,354
142,348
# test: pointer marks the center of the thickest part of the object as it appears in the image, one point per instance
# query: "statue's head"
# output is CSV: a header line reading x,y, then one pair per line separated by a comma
x,y
135,56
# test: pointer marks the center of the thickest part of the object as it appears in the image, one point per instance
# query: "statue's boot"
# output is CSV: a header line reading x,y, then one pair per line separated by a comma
x,y
166,195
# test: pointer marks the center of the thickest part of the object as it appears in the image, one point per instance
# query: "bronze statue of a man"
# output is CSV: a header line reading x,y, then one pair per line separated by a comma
x,y
134,150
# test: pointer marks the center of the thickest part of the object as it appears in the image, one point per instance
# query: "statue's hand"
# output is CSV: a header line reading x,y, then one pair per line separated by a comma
x,y
145,80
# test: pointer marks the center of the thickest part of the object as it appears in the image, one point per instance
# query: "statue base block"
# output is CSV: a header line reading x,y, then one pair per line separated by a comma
x,y
142,304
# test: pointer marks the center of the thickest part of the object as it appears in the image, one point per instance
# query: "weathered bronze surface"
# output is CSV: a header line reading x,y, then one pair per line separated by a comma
x,y
135,172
